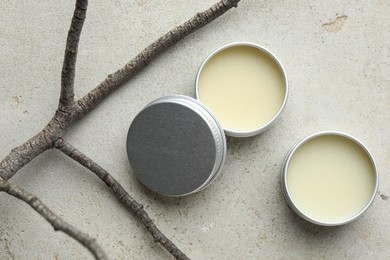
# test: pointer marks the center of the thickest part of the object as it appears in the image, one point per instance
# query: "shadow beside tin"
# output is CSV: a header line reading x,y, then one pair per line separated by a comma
x,y
329,178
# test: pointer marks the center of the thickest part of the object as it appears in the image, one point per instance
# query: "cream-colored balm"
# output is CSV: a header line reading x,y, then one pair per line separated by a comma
x,y
243,86
331,178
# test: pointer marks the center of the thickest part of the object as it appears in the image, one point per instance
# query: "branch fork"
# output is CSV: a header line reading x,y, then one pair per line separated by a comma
x,y
69,111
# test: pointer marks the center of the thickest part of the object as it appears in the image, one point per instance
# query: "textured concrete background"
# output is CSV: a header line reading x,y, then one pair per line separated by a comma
x,y
337,57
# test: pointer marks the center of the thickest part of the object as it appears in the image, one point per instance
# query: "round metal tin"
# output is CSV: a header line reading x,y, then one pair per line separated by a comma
x,y
287,193
176,146
266,126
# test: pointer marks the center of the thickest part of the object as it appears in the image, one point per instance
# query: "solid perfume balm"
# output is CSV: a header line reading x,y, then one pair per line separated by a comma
x,y
330,178
245,86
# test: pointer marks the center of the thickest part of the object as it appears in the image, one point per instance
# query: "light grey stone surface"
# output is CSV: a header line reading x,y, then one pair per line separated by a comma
x,y
337,57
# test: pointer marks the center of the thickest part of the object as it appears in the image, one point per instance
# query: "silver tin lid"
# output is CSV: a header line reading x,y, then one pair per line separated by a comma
x,y
176,146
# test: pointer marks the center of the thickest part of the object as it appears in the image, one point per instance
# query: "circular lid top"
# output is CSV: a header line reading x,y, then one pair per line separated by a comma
x,y
173,148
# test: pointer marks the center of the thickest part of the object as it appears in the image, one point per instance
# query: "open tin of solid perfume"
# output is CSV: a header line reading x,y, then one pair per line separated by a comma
x,y
245,86
329,178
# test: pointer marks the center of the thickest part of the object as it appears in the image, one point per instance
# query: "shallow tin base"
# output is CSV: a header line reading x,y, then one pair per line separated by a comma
x,y
263,128
287,194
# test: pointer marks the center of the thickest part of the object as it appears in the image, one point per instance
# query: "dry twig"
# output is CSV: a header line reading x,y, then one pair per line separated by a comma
x,y
53,219
69,111
72,42
122,195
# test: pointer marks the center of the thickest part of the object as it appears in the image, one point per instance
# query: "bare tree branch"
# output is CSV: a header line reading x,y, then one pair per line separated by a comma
x,y
113,81
53,219
26,152
72,42
122,195
65,116
69,111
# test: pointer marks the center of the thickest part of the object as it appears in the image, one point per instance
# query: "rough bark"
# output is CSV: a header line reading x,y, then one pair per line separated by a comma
x,y
57,222
39,143
122,195
72,42
69,111
116,79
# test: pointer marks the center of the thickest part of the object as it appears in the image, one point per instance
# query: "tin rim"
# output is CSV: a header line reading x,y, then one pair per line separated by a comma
x,y
218,132
215,127
285,183
260,129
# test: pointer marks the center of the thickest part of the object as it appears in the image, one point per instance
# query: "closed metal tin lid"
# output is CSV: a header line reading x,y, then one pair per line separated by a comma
x,y
175,146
